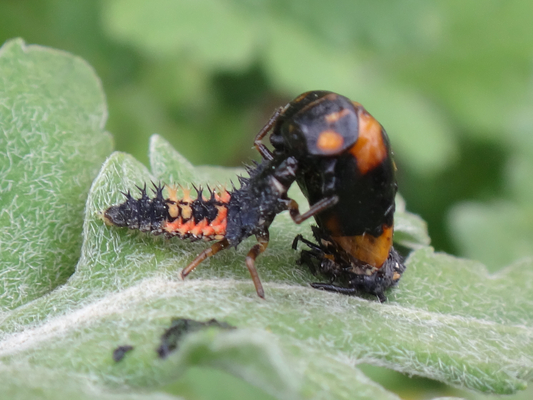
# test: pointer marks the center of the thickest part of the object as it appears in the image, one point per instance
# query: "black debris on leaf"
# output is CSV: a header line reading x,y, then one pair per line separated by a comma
x,y
120,352
182,326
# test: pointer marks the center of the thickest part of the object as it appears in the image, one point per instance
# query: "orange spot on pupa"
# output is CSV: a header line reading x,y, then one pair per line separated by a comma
x,y
370,149
329,141
335,116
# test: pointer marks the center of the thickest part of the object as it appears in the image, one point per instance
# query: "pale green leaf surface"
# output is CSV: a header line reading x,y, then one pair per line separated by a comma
x,y
116,296
52,110
410,230
22,381
448,319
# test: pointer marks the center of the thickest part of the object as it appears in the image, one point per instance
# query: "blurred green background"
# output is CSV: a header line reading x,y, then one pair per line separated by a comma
x,y
450,80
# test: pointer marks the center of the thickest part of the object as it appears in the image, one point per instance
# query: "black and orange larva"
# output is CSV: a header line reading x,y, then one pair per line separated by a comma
x,y
228,217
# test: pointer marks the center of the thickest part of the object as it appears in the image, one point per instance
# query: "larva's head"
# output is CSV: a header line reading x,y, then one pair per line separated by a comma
x,y
113,217
121,215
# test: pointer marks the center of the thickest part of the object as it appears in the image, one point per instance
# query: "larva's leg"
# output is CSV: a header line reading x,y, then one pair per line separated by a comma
x,y
211,251
250,262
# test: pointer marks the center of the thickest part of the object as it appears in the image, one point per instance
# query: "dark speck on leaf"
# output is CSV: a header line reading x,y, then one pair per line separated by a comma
x,y
120,352
179,328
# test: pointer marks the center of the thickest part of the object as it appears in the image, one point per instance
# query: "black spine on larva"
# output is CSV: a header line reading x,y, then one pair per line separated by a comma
x,y
144,213
159,209
131,212
204,209
212,210
199,206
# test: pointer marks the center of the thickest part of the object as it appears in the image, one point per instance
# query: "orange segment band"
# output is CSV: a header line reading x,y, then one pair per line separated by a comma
x,y
367,248
369,149
197,229
172,226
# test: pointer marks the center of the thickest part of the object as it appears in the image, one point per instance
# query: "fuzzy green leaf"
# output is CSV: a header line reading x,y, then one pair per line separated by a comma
x,y
52,142
448,319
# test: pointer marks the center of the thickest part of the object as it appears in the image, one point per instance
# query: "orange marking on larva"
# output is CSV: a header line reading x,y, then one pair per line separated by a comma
x,y
186,196
367,248
173,226
172,193
222,213
186,211
220,229
225,196
197,229
221,216
369,149
173,210
186,227
208,231
329,141
335,116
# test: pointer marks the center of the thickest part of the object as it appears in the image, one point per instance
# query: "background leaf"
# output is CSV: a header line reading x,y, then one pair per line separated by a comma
x,y
298,342
53,109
